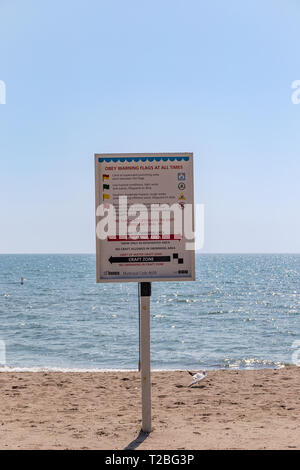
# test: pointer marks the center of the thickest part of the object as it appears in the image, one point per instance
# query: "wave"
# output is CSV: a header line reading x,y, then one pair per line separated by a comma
x,y
242,364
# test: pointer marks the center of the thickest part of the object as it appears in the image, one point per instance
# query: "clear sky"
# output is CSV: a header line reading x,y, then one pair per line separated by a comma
x,y
214,78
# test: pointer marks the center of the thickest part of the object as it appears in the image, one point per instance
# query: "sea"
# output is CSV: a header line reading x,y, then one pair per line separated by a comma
x,y
242,312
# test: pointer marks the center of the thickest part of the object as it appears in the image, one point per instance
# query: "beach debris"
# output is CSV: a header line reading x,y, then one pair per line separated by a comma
x,y
198,376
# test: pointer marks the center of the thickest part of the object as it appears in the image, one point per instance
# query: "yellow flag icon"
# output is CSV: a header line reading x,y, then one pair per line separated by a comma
x,y
181,197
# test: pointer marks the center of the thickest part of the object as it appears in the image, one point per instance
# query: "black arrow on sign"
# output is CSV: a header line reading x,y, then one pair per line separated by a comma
x,y
139,259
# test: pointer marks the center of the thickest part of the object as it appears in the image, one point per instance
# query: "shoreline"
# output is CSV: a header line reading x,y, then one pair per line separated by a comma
x,y
75,370
231,409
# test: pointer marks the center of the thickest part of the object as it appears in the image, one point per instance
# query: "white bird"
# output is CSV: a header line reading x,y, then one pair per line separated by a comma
x,y
197,377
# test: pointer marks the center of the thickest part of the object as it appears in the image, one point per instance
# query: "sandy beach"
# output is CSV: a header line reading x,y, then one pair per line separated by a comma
x,y
229,410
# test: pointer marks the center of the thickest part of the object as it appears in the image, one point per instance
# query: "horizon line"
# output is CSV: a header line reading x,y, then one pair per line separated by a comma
x,y
197,253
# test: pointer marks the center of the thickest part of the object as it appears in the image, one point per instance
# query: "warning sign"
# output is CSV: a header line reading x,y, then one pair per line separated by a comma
x,y
144,217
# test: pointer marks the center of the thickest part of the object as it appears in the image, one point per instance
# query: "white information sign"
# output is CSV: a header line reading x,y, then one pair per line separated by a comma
x,y
144,217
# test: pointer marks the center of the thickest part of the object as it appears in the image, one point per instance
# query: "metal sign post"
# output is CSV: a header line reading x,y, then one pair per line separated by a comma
x,y
144,232
144,294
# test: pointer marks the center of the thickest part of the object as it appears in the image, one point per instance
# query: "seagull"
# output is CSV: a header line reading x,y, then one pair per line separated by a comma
x,y
197,377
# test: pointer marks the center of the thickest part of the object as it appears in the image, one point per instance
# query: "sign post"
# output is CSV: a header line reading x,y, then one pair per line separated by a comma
x,y
145,294
144,231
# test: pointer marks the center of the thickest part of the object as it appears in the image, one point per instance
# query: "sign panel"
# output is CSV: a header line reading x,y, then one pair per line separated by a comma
x,y
144,217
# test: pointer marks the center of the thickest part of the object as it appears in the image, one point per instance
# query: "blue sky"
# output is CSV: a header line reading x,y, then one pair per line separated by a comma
x,y
91,76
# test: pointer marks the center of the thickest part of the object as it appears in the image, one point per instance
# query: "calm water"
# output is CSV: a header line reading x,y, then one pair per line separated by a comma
x,y
243,311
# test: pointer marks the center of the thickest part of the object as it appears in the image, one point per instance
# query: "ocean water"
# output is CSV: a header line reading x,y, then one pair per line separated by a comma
x,y
243,311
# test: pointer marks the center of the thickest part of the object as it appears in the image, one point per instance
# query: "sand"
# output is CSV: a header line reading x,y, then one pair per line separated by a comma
x,y
229,410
